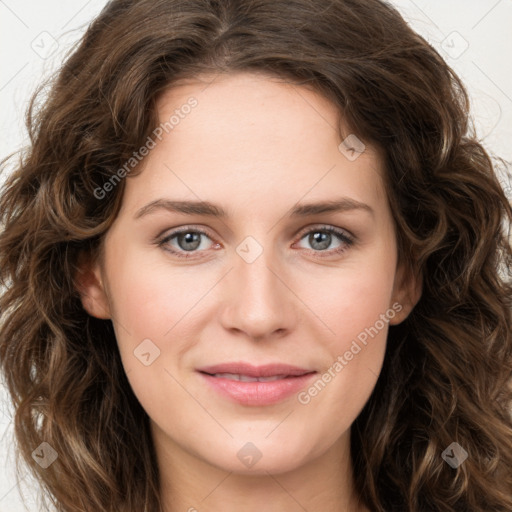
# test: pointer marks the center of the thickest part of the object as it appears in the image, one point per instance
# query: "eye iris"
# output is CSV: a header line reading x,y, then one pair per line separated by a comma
x,y
191,241
323,240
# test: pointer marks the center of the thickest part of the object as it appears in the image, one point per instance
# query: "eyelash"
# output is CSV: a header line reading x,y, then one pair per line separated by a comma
x,y
346,239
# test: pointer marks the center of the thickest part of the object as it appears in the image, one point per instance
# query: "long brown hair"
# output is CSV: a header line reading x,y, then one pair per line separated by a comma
x,y
447,371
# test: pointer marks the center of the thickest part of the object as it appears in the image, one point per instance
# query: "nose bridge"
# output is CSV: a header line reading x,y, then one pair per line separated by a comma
x,y
256,279
260,303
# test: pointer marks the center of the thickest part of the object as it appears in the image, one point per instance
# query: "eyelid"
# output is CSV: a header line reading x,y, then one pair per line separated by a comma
x,y
326,227
303,231
185,229
162,239
345,236
182,229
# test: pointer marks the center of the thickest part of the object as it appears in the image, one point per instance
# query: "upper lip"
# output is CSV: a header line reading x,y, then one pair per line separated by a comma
x,y
267,370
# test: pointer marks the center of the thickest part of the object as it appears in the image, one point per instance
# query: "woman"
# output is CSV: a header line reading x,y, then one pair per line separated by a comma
x,y
254,260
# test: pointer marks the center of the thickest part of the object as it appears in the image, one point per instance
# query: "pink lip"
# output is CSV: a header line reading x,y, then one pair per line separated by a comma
x,y
257,393
267,370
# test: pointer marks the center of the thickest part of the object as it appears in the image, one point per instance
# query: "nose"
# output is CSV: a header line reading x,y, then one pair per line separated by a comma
x,y
259,298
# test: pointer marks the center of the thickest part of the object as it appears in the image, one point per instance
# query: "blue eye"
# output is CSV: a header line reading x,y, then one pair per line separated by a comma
x,y
320,239
185,242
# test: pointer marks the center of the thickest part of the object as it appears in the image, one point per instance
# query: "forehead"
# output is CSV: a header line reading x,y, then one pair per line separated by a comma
x,y
257,135
250,104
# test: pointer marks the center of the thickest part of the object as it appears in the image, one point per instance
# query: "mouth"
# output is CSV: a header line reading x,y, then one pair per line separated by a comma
x,y
256,385
247,370
247,378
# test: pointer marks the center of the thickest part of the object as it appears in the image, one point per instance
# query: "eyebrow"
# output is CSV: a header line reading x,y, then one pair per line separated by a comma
x,y
212,210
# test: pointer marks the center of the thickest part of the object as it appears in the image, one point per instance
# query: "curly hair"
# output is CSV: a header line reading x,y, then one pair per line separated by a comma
x,y
448,367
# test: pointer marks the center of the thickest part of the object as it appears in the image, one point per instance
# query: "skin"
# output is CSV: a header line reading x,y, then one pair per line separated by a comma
x,y
255,146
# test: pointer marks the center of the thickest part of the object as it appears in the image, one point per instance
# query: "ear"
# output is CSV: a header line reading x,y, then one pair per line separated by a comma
x,y
90,286
407,290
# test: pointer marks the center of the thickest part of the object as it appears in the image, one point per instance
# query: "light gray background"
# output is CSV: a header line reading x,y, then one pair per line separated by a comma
x,y
474,36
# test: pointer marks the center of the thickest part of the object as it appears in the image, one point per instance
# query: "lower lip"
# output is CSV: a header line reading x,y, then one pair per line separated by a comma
x,y
258,393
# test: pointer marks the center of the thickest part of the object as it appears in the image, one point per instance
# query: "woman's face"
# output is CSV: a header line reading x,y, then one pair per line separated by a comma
x,y
266,283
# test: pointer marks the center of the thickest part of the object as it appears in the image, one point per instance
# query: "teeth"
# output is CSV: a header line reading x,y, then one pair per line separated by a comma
x,y
246,378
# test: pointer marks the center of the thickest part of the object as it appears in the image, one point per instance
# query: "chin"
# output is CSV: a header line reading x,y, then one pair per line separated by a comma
x,y
260,458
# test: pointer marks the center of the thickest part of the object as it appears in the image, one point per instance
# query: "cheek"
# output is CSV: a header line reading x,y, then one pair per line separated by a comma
x,y
355,356
349,301
150,297
148,301
151,305
357,310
